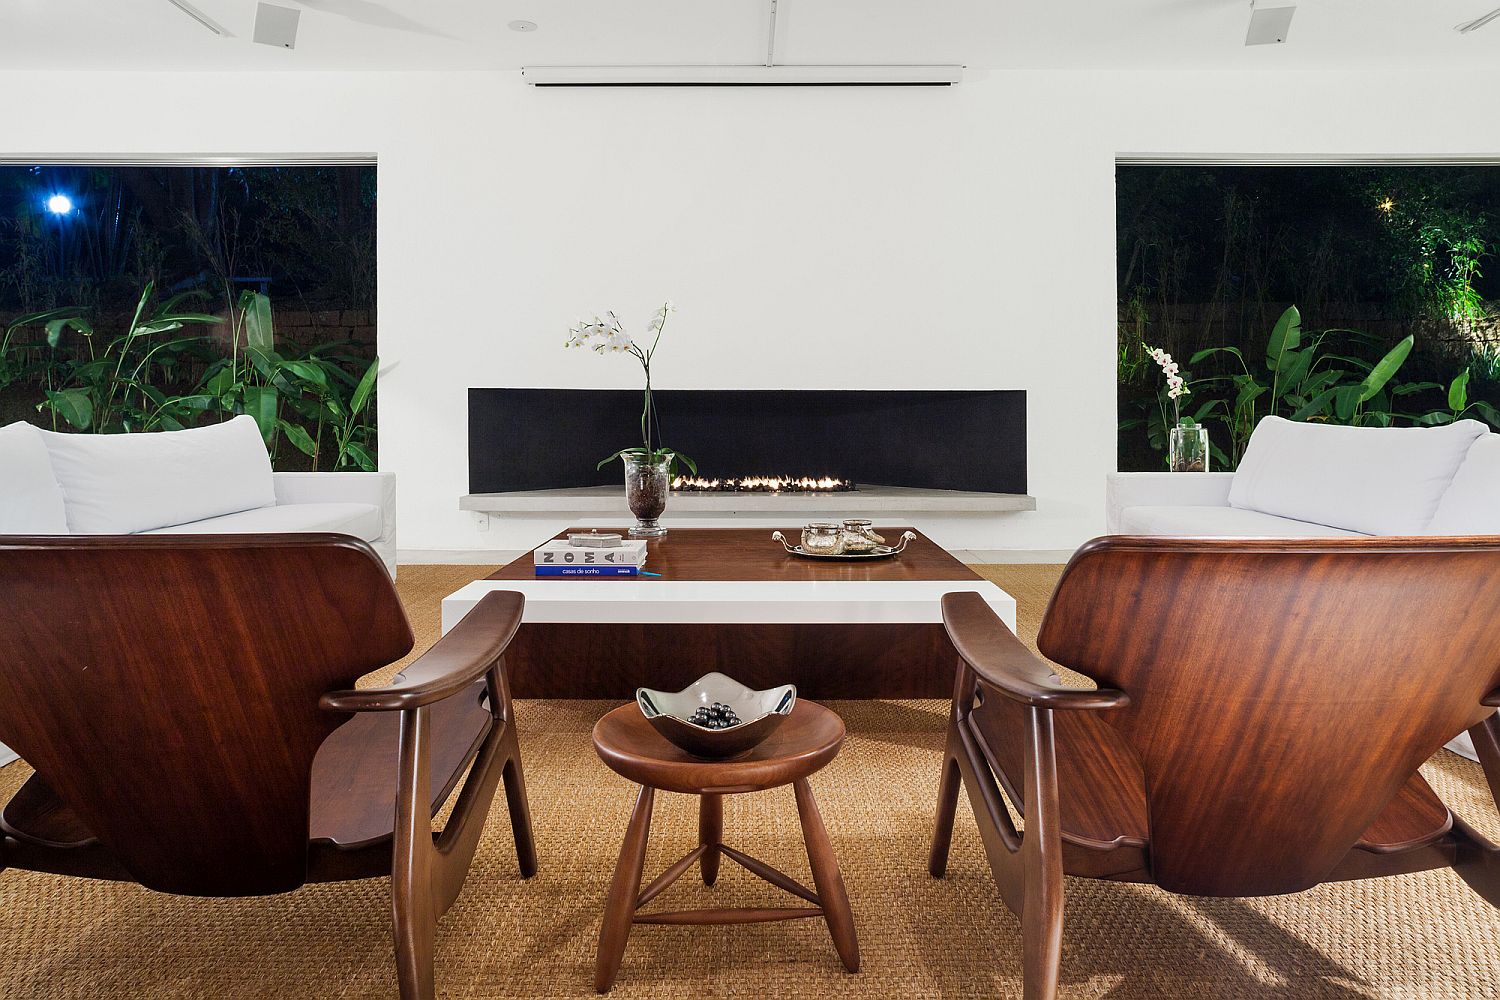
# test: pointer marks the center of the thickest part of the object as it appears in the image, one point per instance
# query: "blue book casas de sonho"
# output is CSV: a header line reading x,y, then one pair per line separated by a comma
x,y
587,571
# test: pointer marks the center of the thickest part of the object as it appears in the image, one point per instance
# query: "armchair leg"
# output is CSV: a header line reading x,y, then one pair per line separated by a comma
x,y
1041,860
949,784
515,779
947,809
1486,737
1478,863
428,873
1027,864
520,810
413,904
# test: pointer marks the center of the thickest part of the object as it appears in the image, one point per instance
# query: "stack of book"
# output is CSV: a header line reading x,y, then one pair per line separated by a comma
x,y
558,558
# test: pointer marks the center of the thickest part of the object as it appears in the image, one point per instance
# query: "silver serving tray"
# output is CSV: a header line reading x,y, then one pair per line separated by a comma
x,y
879,552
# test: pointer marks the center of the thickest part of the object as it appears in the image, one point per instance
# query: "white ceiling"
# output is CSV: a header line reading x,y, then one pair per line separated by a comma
x,y
982,34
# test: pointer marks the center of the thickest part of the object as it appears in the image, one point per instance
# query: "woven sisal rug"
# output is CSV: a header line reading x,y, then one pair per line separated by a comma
x,y
1422,936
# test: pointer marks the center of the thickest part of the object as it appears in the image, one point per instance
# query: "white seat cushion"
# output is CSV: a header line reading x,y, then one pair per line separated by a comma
x,y
362,520
125,483
31,500
1471,504
1372,480
1219,522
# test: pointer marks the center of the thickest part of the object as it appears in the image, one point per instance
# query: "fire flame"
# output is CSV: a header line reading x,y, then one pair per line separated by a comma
x,y
762,484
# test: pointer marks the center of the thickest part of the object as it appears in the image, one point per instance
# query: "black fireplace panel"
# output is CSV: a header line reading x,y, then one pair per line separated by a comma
x,y
538,439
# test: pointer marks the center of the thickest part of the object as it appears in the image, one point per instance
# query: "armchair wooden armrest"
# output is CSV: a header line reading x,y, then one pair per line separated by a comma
x,y
457,660
1006,664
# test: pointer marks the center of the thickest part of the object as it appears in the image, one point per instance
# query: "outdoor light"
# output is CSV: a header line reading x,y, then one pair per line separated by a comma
x,y
59,204
1387,206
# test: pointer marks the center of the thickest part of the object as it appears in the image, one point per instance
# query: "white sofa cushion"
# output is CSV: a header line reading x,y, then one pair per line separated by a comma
x,y
123,483
31,500
362,520
1471,504
1215,522
1373,480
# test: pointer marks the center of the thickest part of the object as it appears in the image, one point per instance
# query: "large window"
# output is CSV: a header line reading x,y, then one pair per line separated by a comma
x,y
1388,268
137,298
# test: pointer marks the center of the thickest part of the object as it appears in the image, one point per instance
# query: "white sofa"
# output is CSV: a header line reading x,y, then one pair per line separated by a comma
x,y
209,480
1305,480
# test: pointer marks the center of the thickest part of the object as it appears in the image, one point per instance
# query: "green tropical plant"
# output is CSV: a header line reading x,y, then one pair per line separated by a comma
x,y
287,395
116,382
320,401
1328,375
1460,406
331,399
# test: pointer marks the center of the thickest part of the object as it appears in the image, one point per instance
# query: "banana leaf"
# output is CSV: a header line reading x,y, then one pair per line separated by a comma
x,y
1458,393
1286,336
1385,368
73,405
260,403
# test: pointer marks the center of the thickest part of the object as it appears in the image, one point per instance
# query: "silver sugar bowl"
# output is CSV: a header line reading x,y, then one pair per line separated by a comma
x,y
823,538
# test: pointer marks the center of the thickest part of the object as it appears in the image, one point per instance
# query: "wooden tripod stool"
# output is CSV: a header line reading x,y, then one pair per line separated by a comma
x,y
807,740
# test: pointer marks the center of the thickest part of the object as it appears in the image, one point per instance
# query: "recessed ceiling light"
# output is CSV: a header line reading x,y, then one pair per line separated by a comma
x,y
522,26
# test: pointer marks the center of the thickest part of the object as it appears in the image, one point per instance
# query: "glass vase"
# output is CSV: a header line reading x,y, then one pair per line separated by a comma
x,y
646,487
1187,449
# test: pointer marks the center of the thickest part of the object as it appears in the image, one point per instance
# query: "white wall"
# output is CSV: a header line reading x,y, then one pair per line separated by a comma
x,y
922,238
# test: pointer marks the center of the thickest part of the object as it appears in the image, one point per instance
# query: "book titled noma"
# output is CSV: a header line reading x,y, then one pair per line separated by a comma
x,y
558,558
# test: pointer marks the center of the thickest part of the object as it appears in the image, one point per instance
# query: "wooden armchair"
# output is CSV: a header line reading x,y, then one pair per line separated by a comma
x,y
1264,706
188,704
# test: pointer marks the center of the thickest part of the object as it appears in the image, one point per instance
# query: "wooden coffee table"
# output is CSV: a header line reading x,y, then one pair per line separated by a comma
x,y
807,741
730,599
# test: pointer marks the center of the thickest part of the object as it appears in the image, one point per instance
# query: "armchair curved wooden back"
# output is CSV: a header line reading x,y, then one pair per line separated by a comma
x,y
1280,692
166,689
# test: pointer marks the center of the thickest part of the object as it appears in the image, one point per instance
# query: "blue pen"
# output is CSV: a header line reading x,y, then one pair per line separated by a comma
x,y
647,572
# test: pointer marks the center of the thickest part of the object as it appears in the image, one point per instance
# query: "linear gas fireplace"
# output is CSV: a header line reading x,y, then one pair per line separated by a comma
x,y
755,445
762,484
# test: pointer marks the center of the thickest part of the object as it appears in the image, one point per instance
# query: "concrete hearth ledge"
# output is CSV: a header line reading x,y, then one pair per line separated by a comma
x,y
592,500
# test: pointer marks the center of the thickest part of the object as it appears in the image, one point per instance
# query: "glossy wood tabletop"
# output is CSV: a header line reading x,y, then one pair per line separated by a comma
x,y
751,554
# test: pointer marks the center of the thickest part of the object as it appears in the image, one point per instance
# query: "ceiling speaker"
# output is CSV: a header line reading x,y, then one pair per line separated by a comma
x,y
1268,25
276,25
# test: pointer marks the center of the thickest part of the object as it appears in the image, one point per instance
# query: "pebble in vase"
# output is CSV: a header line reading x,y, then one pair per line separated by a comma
x,y
646,487
1187,449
